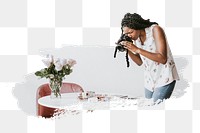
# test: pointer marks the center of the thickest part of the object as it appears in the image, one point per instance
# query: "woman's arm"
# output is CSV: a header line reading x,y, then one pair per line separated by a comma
x,y
160,54
136,58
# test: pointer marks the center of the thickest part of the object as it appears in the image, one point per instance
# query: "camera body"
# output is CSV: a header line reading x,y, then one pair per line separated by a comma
x,y
123,37
121,48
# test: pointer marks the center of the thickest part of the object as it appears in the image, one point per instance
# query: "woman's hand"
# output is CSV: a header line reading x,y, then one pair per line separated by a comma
x,y
133,52
130,46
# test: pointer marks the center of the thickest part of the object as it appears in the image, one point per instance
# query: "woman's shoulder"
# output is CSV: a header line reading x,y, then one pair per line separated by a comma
x,y
157,28
152,29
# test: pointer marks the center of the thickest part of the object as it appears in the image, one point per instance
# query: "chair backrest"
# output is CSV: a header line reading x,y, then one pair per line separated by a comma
x,y
45,90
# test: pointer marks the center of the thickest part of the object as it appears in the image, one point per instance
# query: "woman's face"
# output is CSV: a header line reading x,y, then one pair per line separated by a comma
x,y
133,34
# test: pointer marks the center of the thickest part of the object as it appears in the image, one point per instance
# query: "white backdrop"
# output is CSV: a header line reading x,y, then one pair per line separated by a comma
x,y
28,26
96,70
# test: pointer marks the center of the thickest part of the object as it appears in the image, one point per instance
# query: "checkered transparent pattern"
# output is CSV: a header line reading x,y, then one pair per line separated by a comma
x,y
27,26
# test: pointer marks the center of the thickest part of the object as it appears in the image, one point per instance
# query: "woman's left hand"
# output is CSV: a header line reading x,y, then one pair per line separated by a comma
x,y
130,46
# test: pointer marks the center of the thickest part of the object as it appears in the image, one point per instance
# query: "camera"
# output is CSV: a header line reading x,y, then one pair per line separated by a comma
x,y
123,37
121,48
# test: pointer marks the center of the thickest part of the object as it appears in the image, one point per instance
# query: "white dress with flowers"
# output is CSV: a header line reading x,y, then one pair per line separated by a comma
x,y
156,74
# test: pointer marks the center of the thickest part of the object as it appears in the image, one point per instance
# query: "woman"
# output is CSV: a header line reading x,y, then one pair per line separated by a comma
x,y
151,49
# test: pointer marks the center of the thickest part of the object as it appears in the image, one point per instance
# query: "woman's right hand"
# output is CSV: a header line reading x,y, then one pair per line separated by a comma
x,y
130,46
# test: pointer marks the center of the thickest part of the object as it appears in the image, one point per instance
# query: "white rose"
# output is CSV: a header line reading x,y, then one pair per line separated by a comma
x,y
47,62
71,62
58,65
63,61
50,57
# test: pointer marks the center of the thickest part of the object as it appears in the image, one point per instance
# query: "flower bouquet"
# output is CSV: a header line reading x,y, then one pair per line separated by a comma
x,y
56,70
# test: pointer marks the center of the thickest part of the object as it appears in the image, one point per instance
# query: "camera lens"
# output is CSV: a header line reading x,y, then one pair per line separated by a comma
x,y
120,48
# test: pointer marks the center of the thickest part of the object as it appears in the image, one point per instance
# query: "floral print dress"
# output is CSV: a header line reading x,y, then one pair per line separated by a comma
x,y
156,74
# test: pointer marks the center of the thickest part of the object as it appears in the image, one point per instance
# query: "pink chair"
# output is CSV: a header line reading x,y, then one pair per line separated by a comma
x,y
44,90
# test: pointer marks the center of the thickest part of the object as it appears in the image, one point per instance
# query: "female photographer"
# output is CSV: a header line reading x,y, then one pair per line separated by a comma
x,y
150,49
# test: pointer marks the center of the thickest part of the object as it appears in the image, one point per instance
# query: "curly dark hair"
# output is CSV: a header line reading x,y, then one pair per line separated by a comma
x,y
135,21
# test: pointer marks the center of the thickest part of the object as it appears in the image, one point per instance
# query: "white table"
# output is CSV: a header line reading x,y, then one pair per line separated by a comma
x,y
72,102
66,100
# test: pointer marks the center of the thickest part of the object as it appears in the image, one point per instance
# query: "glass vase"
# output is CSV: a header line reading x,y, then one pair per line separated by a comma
x,y
55,86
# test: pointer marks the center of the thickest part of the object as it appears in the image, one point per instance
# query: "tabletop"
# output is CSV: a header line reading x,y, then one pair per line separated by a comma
x,y
67,99
73,101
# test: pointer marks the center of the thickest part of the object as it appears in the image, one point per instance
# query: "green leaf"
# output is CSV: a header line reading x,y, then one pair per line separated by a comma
x,y
38,73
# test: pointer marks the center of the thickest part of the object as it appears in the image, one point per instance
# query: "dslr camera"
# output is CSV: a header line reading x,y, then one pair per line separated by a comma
x,y
123,37
121,48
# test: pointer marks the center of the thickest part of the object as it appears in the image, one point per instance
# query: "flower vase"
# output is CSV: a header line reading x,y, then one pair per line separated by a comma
x,y
55,86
